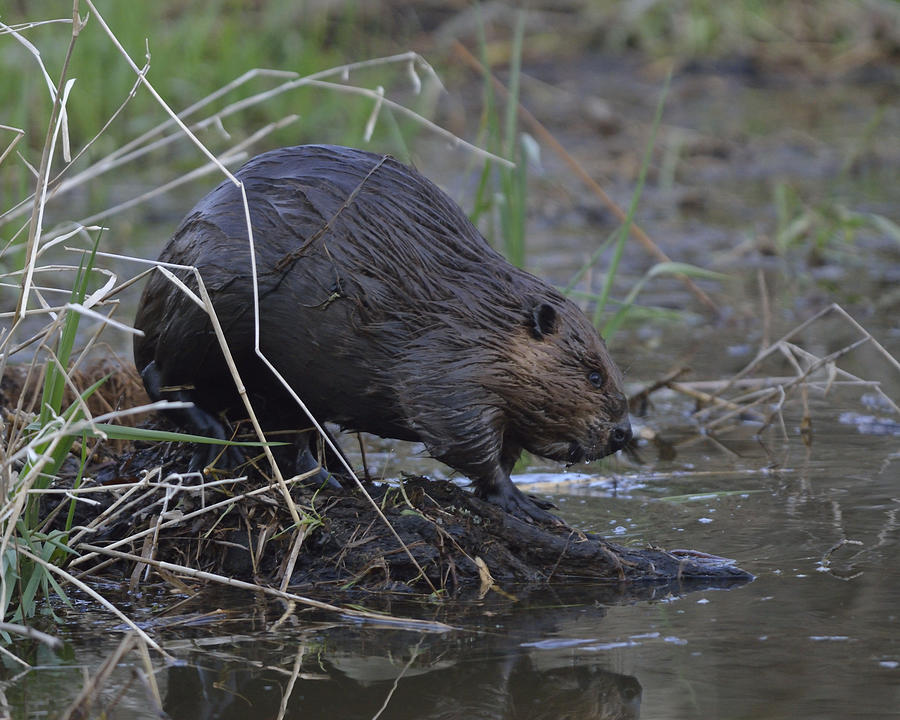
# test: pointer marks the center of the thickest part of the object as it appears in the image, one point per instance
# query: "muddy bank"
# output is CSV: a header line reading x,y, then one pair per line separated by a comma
x,y
454,542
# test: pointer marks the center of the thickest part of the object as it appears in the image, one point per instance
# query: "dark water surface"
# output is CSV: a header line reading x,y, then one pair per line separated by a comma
x,y
815,636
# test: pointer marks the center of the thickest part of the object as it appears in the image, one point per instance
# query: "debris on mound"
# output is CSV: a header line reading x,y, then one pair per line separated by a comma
x,y
438,536
21,386
456,537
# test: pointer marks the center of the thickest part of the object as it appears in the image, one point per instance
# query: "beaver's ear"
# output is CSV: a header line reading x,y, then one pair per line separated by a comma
x,y
543,320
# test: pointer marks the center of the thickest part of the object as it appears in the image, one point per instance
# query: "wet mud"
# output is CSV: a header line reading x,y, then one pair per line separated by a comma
x,y
462,544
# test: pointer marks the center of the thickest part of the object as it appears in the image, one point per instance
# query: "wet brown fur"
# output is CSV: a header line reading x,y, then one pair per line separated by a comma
x,y
388,312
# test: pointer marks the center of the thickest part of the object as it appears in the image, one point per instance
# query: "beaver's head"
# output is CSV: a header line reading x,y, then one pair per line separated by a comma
x,y
564,397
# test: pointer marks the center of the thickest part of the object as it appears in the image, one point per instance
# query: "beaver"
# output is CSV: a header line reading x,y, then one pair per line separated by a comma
x,y
387,312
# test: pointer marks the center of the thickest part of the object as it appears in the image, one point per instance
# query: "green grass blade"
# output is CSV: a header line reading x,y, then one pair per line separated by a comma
x,y
665,268
54,381
595,256
887,226
512,101
123,432
625,230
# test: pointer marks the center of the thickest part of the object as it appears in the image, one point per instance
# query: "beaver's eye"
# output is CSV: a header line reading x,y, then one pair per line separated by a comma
x,y
596,378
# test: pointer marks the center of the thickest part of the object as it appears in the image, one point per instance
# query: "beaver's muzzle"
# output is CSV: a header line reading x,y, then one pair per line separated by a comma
x,y
619,437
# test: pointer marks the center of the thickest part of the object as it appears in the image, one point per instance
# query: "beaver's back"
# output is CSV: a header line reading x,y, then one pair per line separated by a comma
x,y
361,262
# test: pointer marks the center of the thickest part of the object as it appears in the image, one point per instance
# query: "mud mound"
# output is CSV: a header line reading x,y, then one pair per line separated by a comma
x,y
241,528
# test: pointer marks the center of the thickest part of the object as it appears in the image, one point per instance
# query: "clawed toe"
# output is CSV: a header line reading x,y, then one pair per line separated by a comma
x,y
525,507
307,463
542,503
536,514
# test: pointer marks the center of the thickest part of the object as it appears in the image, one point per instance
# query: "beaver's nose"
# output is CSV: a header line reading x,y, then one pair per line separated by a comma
x,y
619,437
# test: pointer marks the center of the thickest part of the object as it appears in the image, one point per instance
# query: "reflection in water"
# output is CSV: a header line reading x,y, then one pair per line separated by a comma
x,y
544,655
520,685
821,533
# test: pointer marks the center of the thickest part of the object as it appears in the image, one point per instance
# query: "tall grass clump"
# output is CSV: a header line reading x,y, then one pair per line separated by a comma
x,y
46,442
822,229
818,34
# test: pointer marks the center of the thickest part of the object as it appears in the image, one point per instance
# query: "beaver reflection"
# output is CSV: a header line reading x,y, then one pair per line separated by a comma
x,y
387,312
518,687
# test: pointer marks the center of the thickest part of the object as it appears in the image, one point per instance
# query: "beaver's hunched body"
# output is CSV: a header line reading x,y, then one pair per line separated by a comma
x,y
387,312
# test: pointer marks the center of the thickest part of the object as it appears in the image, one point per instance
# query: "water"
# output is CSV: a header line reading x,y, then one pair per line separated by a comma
x,y
816,635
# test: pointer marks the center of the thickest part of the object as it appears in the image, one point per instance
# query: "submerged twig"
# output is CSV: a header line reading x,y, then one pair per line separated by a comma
x,y
94,594
81,706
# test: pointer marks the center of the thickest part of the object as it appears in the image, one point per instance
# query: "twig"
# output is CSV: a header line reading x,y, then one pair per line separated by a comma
x,y
776,392
52,642
421,625
703,397
12,143
81,706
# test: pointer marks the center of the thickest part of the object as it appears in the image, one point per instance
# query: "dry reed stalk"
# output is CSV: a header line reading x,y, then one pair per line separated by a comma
x,y
326,437
287,571
19,134
380,100
232,366
232,155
